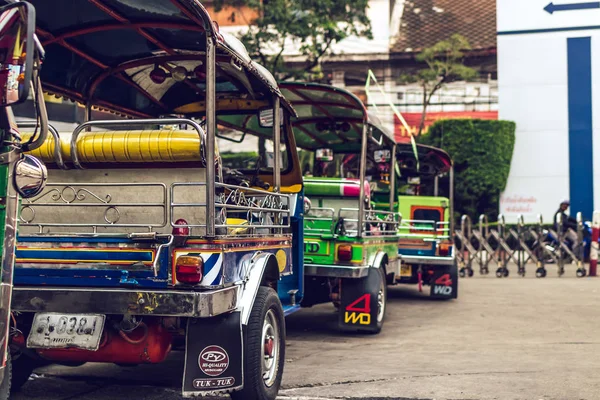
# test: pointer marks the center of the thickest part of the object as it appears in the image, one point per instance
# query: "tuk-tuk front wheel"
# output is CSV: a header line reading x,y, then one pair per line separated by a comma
x,y
264,348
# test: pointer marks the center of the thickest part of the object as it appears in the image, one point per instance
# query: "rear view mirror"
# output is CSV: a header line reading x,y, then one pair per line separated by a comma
x,y
265,117
30,176
17,22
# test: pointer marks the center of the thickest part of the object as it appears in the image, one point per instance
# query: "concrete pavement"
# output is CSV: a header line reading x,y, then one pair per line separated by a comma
x,y
515,338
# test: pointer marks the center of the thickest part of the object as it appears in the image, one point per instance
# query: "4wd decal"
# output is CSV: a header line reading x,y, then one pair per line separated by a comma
x,y
359,311
444,283
311,247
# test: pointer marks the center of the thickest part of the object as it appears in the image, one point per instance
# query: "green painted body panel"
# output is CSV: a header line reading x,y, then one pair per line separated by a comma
x,y
364,250
320,242
408,203
323,187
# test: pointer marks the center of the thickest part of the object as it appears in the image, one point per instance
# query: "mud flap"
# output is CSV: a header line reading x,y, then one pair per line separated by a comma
x,y
444,282
358,303
214,355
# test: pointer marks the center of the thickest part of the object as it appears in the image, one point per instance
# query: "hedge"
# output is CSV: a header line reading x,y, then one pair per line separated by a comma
x,y
482,151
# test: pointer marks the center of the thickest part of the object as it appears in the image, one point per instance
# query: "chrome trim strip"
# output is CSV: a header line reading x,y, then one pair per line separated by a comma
x,y
427,260
119,301
336,271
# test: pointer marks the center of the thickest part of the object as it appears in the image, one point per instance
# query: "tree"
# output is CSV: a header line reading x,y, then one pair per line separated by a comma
x,y
482,152
312,26
444,65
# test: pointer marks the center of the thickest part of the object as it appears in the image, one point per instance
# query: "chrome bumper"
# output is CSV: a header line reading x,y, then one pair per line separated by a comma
x,y
175,303
336,271
427,260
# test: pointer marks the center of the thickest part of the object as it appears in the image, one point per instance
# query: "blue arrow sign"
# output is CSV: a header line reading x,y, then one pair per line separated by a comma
x,y
550,8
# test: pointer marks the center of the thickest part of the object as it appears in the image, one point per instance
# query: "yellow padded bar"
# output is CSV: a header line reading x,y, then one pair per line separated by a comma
x,y
133,146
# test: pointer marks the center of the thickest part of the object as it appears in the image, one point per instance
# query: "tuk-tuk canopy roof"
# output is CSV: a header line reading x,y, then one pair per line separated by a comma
x,y
103,51
330,117
432,160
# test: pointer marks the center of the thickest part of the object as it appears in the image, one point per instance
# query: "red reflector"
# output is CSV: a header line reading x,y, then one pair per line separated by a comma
x,y
444,249
344,252
188,269
183,231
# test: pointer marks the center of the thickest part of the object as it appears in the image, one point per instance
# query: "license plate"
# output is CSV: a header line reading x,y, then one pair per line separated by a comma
x,y
57,330
406,270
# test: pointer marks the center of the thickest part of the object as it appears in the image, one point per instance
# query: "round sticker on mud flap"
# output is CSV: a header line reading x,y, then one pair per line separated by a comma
x,y
213,360
281,260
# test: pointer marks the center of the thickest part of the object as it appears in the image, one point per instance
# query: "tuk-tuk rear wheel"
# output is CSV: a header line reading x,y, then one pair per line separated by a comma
x,y
264,348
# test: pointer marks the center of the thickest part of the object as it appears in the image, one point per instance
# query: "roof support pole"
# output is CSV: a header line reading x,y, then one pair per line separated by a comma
x,y
211,119
451,205
276,144
393,164
363,167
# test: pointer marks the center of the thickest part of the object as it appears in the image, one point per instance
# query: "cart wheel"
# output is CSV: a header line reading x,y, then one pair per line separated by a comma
x,y
264,348
470,272
499,272
581,272
540,272
505,272
6,381
462,273
485,271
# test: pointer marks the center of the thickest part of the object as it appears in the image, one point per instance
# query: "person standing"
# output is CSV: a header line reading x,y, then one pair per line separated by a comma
x,y
567,222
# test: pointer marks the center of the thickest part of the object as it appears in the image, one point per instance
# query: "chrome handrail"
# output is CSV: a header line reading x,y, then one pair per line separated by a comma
x,y
52,130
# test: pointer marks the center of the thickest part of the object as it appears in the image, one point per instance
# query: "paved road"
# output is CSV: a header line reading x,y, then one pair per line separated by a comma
x,y
515,338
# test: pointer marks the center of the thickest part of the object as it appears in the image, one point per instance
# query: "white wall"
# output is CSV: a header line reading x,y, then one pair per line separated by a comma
x,y
533,92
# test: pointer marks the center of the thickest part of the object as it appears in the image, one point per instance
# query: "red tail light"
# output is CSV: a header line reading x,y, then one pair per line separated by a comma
x,y
344,252
183,231
444,249
188,269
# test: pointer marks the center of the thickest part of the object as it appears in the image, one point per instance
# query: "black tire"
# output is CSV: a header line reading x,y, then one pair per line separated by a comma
x,y
540,272
581,272
506,272
471,272
22,367
381,303
463,272
499,273
373,285
266,309
5,385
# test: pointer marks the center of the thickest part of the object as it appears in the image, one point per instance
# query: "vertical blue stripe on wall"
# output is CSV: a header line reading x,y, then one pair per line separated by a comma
x,y
581,172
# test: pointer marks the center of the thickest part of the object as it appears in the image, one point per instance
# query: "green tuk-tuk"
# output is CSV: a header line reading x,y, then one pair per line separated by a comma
x,y
425,242
350,249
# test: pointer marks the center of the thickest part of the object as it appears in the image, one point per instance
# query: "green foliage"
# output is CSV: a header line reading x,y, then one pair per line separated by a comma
x,y
444,65
482,151
239,160
313,25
